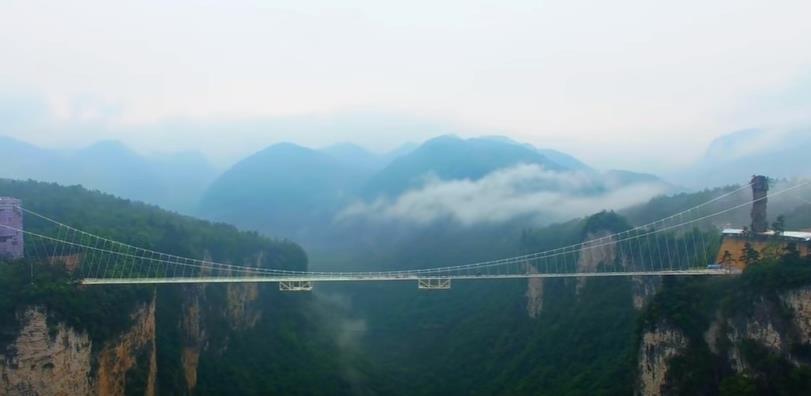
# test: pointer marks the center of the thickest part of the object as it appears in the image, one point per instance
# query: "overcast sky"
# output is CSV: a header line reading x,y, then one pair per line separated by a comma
x,y
619,83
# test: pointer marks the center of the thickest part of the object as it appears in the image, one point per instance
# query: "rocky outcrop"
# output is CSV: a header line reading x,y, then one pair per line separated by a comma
x,y
657,347
762,326
594,253
534,295
241,308
120,356
194,335
799,301
716,333
776,327
241,311
41,362
776,324
58,360
643,288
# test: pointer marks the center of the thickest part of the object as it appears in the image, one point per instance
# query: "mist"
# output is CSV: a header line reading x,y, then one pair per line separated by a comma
x,y
522,191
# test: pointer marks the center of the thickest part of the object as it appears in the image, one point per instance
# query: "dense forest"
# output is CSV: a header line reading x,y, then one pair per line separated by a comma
x,y
477,338
692,304
234,359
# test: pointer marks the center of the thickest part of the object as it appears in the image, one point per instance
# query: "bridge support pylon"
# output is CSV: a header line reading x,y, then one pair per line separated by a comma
x,y
434,283
295,285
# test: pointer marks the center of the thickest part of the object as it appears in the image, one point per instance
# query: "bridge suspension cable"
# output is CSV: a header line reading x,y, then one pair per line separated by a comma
x,y
671,245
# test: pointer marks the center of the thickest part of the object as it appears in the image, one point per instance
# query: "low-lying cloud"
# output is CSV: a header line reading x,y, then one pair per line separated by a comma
x,y
523,191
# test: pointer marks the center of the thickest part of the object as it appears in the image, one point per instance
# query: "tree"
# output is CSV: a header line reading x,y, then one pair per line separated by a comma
x,y
790,252
726,259
750,254
779,225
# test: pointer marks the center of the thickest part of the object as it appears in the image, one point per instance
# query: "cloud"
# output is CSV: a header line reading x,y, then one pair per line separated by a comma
x,y
523,191
620,78
337,314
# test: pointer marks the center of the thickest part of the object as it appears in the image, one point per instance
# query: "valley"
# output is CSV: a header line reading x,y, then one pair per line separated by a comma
x,y
617,335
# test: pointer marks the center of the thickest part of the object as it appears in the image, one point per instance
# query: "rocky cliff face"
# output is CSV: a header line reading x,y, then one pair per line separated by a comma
x,y
534,295
133,348
656,349
56,359
193,331
776,324
595,253
799,301
59,360
644,288
241,311
41,362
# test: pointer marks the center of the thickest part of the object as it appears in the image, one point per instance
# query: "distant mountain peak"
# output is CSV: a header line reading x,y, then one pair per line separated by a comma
x,y
451,157
734,157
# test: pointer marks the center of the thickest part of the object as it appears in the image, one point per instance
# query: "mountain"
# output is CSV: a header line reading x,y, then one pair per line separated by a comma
x,y
565,160
112,167
247,339
400,151
187,175
353,155
285,189
449,157
735,157
330,199
21,160
356,156
714,335
174,181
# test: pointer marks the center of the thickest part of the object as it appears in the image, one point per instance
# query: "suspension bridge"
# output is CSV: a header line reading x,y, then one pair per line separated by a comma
x,y
678,244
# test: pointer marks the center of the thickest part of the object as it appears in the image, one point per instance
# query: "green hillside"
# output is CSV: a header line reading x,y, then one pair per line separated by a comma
x,y
272,356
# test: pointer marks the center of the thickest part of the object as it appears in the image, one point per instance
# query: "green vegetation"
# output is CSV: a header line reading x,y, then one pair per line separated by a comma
x,y
394,339
102,312
692,304
280,354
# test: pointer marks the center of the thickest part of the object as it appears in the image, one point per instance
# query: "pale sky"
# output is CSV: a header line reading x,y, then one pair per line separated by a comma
x,y
622,83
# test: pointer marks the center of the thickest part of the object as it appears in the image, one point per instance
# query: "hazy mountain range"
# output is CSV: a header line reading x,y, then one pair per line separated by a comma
x,y
174,181
323,195
294,191
738,155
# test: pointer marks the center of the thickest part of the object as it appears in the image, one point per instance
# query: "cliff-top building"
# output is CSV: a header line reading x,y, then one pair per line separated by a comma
x,y
758,236
735,240
11,236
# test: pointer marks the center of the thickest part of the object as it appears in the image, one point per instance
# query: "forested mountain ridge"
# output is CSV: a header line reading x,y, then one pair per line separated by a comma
x,y
549,337
155,340
748,335
284,189
329,201
449,157
510,337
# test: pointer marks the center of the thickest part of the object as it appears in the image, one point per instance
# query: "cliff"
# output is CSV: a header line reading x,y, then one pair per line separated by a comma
x,y
762,346
595,253
657,347
61,338
241,311
56,359
534,295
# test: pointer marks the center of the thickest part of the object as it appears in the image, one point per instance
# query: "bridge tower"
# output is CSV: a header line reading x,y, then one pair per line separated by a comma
x,y
11,236
760,190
